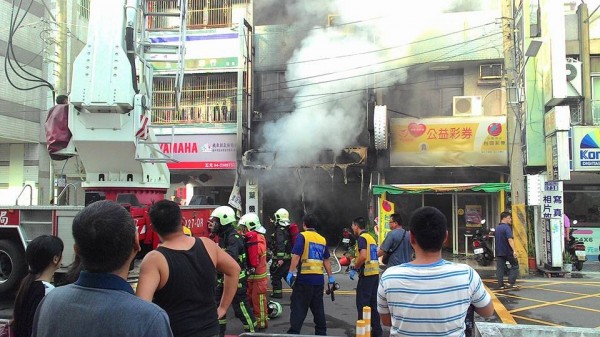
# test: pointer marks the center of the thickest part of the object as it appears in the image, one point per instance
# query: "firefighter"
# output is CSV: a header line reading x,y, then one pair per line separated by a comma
x,y
282,251
256,248
222,221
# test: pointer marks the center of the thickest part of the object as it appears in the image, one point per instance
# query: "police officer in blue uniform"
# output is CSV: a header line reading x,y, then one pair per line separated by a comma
x,y
366,266
310,254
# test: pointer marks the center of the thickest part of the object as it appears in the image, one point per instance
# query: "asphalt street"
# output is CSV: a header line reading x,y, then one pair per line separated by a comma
x,y
571,301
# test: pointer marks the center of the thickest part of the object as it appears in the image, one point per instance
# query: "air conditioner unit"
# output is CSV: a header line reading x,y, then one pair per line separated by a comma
x,y
466,106
490,71
574,83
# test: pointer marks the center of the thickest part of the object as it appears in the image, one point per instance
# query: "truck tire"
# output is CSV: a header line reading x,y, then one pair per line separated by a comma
x,y
12,266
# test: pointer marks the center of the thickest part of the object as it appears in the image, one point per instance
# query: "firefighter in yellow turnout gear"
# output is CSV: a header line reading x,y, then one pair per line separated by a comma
x,y
367,266
256,248
222,221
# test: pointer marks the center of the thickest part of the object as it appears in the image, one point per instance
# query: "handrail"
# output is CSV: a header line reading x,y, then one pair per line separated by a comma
x,y
30,195
64,190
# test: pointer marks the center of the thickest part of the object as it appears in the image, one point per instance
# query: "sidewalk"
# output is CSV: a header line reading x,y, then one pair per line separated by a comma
x,y
569,301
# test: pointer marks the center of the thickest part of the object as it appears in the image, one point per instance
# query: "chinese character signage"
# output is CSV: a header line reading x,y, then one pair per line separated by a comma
x,y
209,49
586,148
213,151
449,141
552,200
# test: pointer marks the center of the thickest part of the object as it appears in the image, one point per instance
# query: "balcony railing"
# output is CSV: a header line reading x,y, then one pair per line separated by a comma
x,y
205,98
195,115
201,13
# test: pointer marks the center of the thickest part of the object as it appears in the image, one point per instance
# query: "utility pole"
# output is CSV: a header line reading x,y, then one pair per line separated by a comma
x,y
515,113
584,56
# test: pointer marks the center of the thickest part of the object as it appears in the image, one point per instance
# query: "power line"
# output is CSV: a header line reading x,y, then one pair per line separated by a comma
x,y
389,48
15,23
371,65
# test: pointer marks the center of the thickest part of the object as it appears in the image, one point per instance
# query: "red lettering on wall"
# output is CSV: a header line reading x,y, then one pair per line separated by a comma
x,y
179,148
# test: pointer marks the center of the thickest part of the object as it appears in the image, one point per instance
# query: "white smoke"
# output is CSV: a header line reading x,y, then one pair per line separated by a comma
x,y
333,67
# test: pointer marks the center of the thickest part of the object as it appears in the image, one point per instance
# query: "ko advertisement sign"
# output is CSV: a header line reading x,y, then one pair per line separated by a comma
x,y
586,148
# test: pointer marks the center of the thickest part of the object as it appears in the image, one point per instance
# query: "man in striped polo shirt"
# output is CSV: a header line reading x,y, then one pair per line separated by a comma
x,y
430,296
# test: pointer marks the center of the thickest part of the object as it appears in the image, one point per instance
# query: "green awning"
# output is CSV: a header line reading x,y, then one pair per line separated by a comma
x,y
425,188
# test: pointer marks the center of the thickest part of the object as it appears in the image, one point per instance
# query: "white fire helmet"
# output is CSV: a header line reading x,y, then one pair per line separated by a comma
x,y
274,309
282,217
252,223
225,214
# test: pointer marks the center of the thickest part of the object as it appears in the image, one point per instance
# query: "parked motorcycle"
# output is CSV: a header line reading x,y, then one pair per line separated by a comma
x,y
346,245
576,248
481,247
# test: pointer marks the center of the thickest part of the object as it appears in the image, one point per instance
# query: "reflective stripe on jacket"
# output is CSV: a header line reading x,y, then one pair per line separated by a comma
x,y
371,266
312,255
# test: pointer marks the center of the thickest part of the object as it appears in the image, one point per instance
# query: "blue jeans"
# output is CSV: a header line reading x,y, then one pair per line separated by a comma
x,y
366,295
513,272
305,297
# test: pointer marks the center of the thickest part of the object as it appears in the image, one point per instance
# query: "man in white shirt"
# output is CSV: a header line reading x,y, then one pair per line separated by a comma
x,y
430,296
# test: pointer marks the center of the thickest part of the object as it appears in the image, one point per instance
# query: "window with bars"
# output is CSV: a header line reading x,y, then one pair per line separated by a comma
x,y
201,13
205,98
84,8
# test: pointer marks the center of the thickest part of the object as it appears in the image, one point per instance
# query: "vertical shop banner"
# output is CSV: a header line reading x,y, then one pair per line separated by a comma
x,y
235,198
449,141
552,219
386,209
586,148
552,200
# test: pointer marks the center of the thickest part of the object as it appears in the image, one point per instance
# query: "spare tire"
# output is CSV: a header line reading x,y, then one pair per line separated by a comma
x,y
12,266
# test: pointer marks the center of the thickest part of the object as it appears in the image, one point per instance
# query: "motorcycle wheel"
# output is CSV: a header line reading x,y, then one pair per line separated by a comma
x,y
579,265
485,262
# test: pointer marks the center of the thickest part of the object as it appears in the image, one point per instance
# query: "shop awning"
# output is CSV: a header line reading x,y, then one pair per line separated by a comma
x,y
425,188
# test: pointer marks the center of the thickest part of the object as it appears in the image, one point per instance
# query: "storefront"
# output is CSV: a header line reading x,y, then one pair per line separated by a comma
x,y
464,205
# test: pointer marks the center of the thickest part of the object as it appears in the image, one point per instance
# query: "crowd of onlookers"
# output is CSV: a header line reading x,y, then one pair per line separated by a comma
x,y
187,284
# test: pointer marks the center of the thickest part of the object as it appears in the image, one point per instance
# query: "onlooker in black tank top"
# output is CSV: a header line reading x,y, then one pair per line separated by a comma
x,y
180,275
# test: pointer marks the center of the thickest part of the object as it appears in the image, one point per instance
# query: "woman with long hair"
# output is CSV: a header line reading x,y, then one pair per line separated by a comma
x,y
43,256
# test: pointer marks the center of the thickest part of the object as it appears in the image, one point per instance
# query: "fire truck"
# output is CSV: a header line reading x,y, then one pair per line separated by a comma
x,y
108,117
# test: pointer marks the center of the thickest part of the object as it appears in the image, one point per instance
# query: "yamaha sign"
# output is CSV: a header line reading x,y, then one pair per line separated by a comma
x,y
586,148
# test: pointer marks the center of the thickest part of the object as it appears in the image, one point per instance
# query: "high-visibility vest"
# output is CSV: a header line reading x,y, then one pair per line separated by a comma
x,y
371,266
312,256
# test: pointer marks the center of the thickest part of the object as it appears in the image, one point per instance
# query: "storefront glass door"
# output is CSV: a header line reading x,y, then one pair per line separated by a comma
x,y
469,210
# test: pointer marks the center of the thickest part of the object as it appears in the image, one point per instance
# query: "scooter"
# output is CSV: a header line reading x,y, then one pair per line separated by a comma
x,y
483,253
346,243
576,248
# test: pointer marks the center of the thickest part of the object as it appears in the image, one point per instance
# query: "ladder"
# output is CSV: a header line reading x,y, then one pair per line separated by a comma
x,y
163,40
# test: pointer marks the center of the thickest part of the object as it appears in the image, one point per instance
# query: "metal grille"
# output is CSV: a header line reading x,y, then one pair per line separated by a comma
x,y
596,112
206,98
84,8
576,116
490,71
200,14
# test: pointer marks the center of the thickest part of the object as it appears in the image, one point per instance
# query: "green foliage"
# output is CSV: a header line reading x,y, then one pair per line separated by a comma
x,y
566,257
